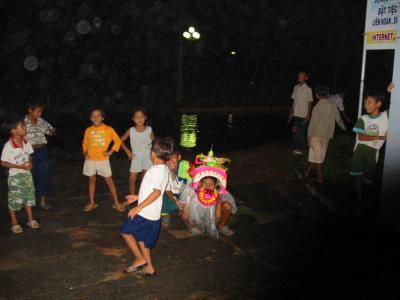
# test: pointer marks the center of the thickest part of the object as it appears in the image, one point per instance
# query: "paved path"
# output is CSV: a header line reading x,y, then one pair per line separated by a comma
x,y
287,245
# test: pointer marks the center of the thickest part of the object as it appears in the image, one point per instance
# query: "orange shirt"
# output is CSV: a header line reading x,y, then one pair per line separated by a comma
x,y
97,139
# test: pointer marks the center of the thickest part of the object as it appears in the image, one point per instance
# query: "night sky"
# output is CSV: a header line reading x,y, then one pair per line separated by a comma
x,y
76,54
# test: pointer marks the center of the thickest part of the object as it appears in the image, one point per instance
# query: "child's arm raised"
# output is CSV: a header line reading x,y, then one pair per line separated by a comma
x,y
128,152
150,199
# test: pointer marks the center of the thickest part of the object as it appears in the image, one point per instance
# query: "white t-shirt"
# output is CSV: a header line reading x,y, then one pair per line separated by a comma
x,y
338,100
16,155
368,125
157,177
302,96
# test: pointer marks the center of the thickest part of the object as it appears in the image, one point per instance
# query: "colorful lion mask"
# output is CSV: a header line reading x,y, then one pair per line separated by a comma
x,y
210,166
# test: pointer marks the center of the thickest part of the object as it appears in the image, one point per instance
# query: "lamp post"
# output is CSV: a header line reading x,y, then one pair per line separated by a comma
x,y
191,35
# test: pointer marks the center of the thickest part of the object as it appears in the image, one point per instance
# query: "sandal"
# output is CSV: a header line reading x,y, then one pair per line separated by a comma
x,y
133,268
226,231
17,229
119,207
144,274
45,205
33,224
90,207
195,231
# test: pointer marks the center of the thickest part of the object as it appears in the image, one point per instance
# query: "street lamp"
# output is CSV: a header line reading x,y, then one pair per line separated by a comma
x,y
192,35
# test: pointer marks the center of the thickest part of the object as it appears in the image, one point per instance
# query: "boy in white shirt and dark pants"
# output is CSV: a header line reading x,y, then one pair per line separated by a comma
x,y
142,227
300,112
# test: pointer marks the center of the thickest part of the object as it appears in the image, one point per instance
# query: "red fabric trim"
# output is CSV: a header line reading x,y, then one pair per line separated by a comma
x,y
14,145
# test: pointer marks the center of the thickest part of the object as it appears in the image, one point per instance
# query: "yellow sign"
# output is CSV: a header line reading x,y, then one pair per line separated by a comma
x,y
378,37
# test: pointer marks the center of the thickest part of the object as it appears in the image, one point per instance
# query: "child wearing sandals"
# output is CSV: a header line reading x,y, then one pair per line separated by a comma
x,y
96,142
16,156
140,136
142,227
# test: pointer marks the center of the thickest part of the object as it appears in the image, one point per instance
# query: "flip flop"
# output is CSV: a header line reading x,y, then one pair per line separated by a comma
x,y
133,268
144,274
226,231
119,207
89,207
33,224
17,229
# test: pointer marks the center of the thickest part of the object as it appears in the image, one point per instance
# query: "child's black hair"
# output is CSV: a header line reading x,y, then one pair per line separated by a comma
x,y
377,96
11,123
139,109
163,148
143,111
210,177
103,113
322,90
177,151
32,105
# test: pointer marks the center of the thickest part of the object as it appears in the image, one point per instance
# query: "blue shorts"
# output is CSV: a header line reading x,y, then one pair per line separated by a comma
x,y
142,229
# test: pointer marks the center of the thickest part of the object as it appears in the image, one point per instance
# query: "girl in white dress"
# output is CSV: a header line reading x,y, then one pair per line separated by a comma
x,y
141,137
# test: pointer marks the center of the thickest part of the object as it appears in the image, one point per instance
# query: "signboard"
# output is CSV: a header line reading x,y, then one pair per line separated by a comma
x,y
381,22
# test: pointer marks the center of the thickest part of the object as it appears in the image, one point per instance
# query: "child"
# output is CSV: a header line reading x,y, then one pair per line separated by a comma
x,y
207,204
321,130
16,156
371,130
140,231
300,112
37,129
141,137
95,146
171,201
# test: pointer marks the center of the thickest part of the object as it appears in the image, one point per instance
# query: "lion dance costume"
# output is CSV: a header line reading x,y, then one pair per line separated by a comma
x,y
201,203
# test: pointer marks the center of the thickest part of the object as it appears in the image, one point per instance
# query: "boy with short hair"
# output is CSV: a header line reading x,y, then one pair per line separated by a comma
x,y
321,129
300,112
96,141
37,129
142,227
16,156
371,129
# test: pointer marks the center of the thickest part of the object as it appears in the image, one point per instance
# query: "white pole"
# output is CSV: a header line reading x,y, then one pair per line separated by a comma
x,y
389,204
364,59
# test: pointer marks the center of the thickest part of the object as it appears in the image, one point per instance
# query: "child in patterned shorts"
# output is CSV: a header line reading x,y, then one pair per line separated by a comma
x,y
16,156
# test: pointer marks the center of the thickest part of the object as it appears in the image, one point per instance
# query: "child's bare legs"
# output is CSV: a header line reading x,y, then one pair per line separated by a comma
x,y
147,257
318,167
132,183
309,169
92,189
134,247
29,212
225,214
13,217
319,173
113,190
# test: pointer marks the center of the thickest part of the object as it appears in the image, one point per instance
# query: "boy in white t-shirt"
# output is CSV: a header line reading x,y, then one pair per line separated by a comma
x,y
16,156
300,112
142,227
371,130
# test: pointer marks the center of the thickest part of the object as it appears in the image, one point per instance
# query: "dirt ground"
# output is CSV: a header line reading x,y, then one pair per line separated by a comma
x,y
287,244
